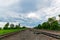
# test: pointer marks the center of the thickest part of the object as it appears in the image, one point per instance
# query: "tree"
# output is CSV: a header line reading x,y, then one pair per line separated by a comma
x,y
38,27
11,26
17,27
52,21
45,25
23,27
51,24
59,15
6,26
55,25
59,20
0,28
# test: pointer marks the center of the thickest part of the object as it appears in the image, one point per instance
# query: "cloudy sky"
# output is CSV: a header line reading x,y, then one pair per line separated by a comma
x,y
28,12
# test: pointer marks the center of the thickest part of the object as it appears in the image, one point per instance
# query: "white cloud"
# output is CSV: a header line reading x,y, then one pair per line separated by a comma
x,y
46,9
53,10
33,15
4,3
55,3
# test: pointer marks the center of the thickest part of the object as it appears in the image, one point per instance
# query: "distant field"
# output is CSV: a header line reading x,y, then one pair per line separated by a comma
x,y
2,32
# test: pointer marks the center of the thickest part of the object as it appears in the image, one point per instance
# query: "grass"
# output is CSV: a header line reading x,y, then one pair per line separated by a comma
x,y
2,32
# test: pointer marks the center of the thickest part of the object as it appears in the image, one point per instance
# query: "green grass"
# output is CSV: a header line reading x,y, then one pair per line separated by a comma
x,y
2,32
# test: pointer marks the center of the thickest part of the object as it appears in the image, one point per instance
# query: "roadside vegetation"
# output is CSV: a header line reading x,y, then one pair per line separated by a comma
x,y
13,28
51,24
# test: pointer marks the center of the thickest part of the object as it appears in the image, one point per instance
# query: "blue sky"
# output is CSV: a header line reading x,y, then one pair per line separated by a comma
x,y
28,12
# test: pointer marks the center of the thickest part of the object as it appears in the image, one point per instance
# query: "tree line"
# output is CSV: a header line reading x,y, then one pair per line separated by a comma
x,y
51,24
12,26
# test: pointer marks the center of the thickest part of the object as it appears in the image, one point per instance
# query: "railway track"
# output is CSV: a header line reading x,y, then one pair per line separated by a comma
x,y
48,34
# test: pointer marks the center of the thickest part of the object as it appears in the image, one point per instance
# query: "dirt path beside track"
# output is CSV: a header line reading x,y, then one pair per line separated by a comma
x,y
28,35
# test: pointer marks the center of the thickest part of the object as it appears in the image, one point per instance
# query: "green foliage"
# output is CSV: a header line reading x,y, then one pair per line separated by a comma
x,y
6,26
51,24
45,25
54,25
50,19
11,26
59,15
17,27
0,28
38,27
3,32
23,27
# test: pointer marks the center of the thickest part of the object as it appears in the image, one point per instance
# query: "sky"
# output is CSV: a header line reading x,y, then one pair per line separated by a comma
x,y
28,12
